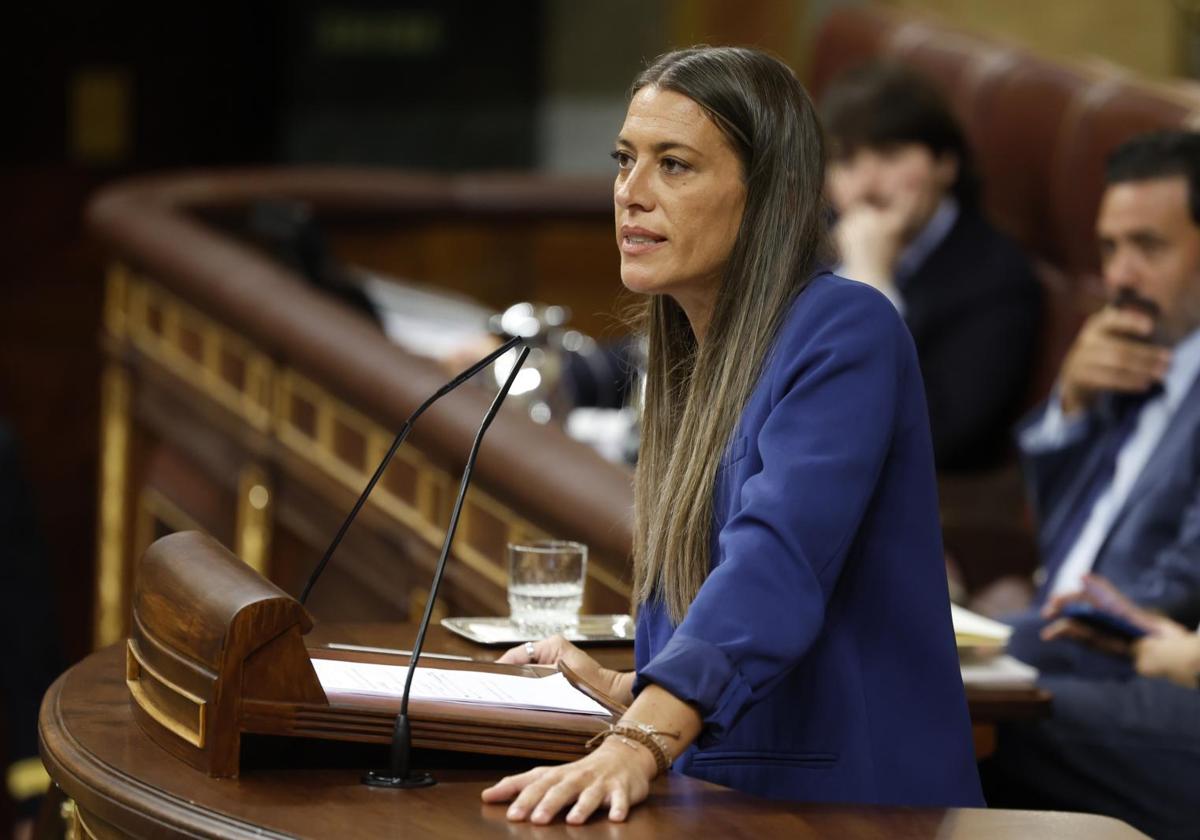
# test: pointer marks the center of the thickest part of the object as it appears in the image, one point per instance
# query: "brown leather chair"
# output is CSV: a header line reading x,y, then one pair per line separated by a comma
x,y
1014,129
1108,112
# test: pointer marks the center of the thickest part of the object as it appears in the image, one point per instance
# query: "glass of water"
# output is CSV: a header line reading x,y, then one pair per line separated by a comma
x,y
545,585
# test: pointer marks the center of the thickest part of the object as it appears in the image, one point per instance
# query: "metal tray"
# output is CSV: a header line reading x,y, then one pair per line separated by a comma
x,y
499,630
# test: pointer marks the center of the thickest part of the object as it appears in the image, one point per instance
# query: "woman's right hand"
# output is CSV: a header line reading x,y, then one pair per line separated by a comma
x,y
557,649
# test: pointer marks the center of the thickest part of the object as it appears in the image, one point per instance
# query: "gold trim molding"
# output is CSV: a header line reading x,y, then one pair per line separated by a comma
x,y
26,779
305,418
253,530
84,831
135,667
115,429
206,355
154,507
116,300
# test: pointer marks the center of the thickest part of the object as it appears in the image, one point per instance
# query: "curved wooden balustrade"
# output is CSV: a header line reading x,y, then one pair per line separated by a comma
x,y
241,400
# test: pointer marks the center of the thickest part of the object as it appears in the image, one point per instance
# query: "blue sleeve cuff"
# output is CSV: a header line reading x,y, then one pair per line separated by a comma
x,y
701,675
1053,430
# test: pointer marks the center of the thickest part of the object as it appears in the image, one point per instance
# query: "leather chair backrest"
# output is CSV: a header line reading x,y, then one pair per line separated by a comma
x,y
1040,130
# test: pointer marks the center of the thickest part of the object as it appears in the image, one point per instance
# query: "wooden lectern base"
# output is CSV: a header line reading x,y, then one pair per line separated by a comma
x,y
124,785
217,652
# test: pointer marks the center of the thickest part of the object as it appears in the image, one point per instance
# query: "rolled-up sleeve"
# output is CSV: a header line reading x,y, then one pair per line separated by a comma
x,y
834,385
700,674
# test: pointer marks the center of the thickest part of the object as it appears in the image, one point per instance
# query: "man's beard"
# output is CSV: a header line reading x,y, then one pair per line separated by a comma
x,y
1127,298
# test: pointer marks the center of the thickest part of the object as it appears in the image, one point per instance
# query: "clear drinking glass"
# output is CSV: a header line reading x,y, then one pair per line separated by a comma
x,y
545,585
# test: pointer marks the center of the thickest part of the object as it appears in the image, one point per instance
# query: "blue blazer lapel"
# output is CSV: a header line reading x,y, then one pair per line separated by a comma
x,y
1176,439
1060,514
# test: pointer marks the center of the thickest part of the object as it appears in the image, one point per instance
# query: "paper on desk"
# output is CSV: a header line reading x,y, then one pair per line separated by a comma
x,y
548,694
998,672
491,633
975,627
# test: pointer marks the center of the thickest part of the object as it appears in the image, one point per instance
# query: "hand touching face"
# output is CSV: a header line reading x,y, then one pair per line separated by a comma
x,y
904,182
1112,353
870,237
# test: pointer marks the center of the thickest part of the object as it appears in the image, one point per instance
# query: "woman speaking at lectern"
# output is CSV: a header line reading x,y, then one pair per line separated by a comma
x,y
793,631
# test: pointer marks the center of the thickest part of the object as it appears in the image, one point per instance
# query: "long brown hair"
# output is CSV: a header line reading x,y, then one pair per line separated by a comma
x,y
695,392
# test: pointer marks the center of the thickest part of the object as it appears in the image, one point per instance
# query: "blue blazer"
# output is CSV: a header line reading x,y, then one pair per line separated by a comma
x,y
1152,552
819,650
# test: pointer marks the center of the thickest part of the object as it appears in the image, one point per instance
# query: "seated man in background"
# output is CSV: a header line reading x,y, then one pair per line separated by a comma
x,y
906,195
1113,459
1128,748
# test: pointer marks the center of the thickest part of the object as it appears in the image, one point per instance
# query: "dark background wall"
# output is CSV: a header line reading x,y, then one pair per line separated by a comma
x,y
98,91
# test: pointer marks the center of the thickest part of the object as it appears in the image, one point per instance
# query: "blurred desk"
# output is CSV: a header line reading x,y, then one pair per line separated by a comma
x,y
990,706
124,785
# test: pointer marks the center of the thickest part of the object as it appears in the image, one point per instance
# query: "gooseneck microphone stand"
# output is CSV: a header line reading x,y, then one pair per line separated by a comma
x,y
399,774
400,438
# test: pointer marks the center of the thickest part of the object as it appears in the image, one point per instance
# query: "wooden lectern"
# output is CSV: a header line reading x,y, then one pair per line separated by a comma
x,y
216,650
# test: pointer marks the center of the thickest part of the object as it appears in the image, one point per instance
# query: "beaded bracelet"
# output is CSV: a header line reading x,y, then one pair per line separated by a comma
x,y
645,734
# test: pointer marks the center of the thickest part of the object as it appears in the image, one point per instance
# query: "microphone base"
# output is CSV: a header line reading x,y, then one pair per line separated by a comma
x,y
385,779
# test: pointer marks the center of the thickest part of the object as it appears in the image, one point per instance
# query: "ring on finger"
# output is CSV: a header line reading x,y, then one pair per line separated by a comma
x,y
530,651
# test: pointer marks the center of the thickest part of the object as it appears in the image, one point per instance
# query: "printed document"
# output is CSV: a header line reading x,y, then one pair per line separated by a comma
x,y
549,694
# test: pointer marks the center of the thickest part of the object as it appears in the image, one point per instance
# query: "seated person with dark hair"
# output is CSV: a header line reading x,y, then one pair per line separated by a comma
x,y
1128,748
902,183
1113,459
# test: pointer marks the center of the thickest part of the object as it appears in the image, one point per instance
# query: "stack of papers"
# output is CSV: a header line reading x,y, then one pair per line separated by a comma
x,y
546,694
982,660
424,320
974,630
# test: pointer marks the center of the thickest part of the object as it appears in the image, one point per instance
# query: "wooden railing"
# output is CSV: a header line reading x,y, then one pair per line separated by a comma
x,y
240,400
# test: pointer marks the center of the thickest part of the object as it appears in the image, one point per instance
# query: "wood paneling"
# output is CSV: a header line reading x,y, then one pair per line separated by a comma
x,y
196,431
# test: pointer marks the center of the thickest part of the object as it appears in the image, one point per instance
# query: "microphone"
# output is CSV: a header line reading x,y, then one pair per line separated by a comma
x,y
400,438
399,774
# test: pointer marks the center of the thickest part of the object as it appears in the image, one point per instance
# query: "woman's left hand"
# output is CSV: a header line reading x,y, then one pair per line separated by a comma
x,y
616,684
616,774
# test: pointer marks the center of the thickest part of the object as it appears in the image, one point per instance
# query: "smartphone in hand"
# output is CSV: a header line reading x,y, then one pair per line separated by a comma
x,y
1102,621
